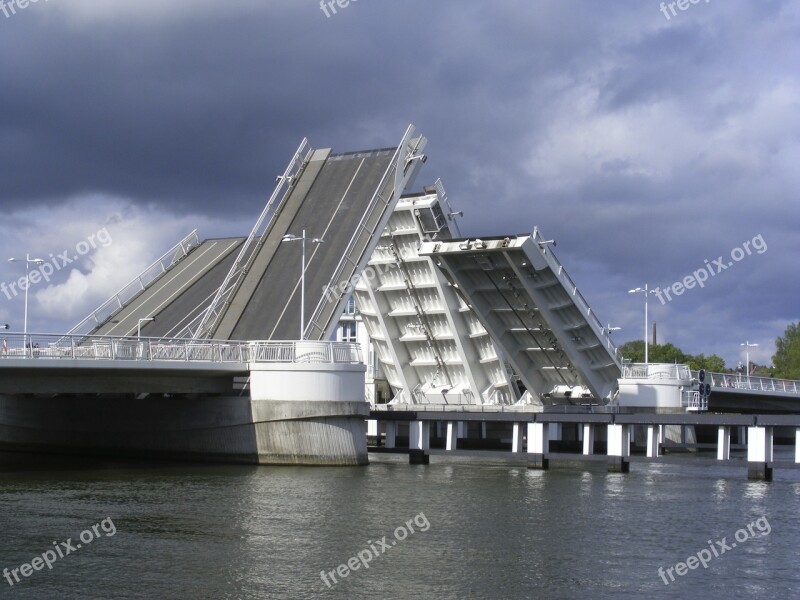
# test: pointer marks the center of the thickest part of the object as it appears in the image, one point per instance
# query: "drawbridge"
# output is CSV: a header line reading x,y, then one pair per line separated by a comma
x,y
251,288
535,313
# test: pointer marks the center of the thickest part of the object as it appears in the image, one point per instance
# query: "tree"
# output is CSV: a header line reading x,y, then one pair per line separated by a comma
x,y
787,353
712,362
633,351
667,353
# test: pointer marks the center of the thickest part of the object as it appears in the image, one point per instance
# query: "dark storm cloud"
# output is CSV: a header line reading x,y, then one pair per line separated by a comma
x,y
643,145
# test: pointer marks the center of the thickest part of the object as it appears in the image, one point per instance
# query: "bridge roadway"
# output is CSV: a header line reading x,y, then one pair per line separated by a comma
x,y
178,295
328,202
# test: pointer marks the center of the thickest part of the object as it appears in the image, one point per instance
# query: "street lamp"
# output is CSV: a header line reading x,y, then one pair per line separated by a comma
x,y
139,325
644,291
28,261
747,352
293,238
609,329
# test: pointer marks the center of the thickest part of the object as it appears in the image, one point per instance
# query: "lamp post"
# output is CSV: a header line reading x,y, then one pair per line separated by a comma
x,y
139,325
293,238
28,260
609,329
747,352
644,291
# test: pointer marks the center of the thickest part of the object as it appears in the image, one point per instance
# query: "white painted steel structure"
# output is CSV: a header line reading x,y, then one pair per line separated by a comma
x,y
432,347
534,311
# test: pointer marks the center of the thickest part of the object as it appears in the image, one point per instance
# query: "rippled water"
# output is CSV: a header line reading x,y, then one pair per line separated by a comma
x,y
495,531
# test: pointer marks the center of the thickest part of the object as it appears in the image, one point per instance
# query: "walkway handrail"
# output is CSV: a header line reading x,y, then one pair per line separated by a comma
x,y
119,348
408,147
740,381
244,260
668,371
578,299
117,302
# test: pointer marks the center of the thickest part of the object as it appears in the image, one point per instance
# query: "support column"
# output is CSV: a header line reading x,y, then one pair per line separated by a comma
x,y
588,439
419,435
516,439
483,430
391,434
653,449
452,435
797,445
554,431
619,448
759,453
724,443
538,446
419,442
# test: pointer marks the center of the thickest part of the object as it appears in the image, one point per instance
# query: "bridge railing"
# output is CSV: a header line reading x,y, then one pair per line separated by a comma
x,y
116,348
741,381
656,371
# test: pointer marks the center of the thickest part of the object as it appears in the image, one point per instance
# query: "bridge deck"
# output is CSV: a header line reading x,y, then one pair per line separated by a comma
x,y
179,294
534,312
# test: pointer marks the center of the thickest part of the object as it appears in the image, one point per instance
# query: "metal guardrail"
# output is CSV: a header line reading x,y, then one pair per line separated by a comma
x,y
656,371
692,401
116,303
244,260
580,302
356,251
758,384
115,348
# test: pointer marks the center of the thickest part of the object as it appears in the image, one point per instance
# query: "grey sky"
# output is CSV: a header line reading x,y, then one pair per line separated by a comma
x,y
642,145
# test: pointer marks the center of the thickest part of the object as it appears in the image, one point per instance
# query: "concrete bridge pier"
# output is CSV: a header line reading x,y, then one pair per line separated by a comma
x,y
309,413
538,445
619,448
759,453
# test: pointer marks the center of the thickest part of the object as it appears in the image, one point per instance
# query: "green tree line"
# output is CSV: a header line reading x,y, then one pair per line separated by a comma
x,y
667,353
786,360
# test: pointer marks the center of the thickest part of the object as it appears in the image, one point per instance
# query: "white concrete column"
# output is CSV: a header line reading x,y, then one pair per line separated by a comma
x,y
661,435
463,430
452,435
419,435
619,440
483,430
759,444
538,442
724,443
653,449
588,438
372,427
516,440
391,434
797,445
